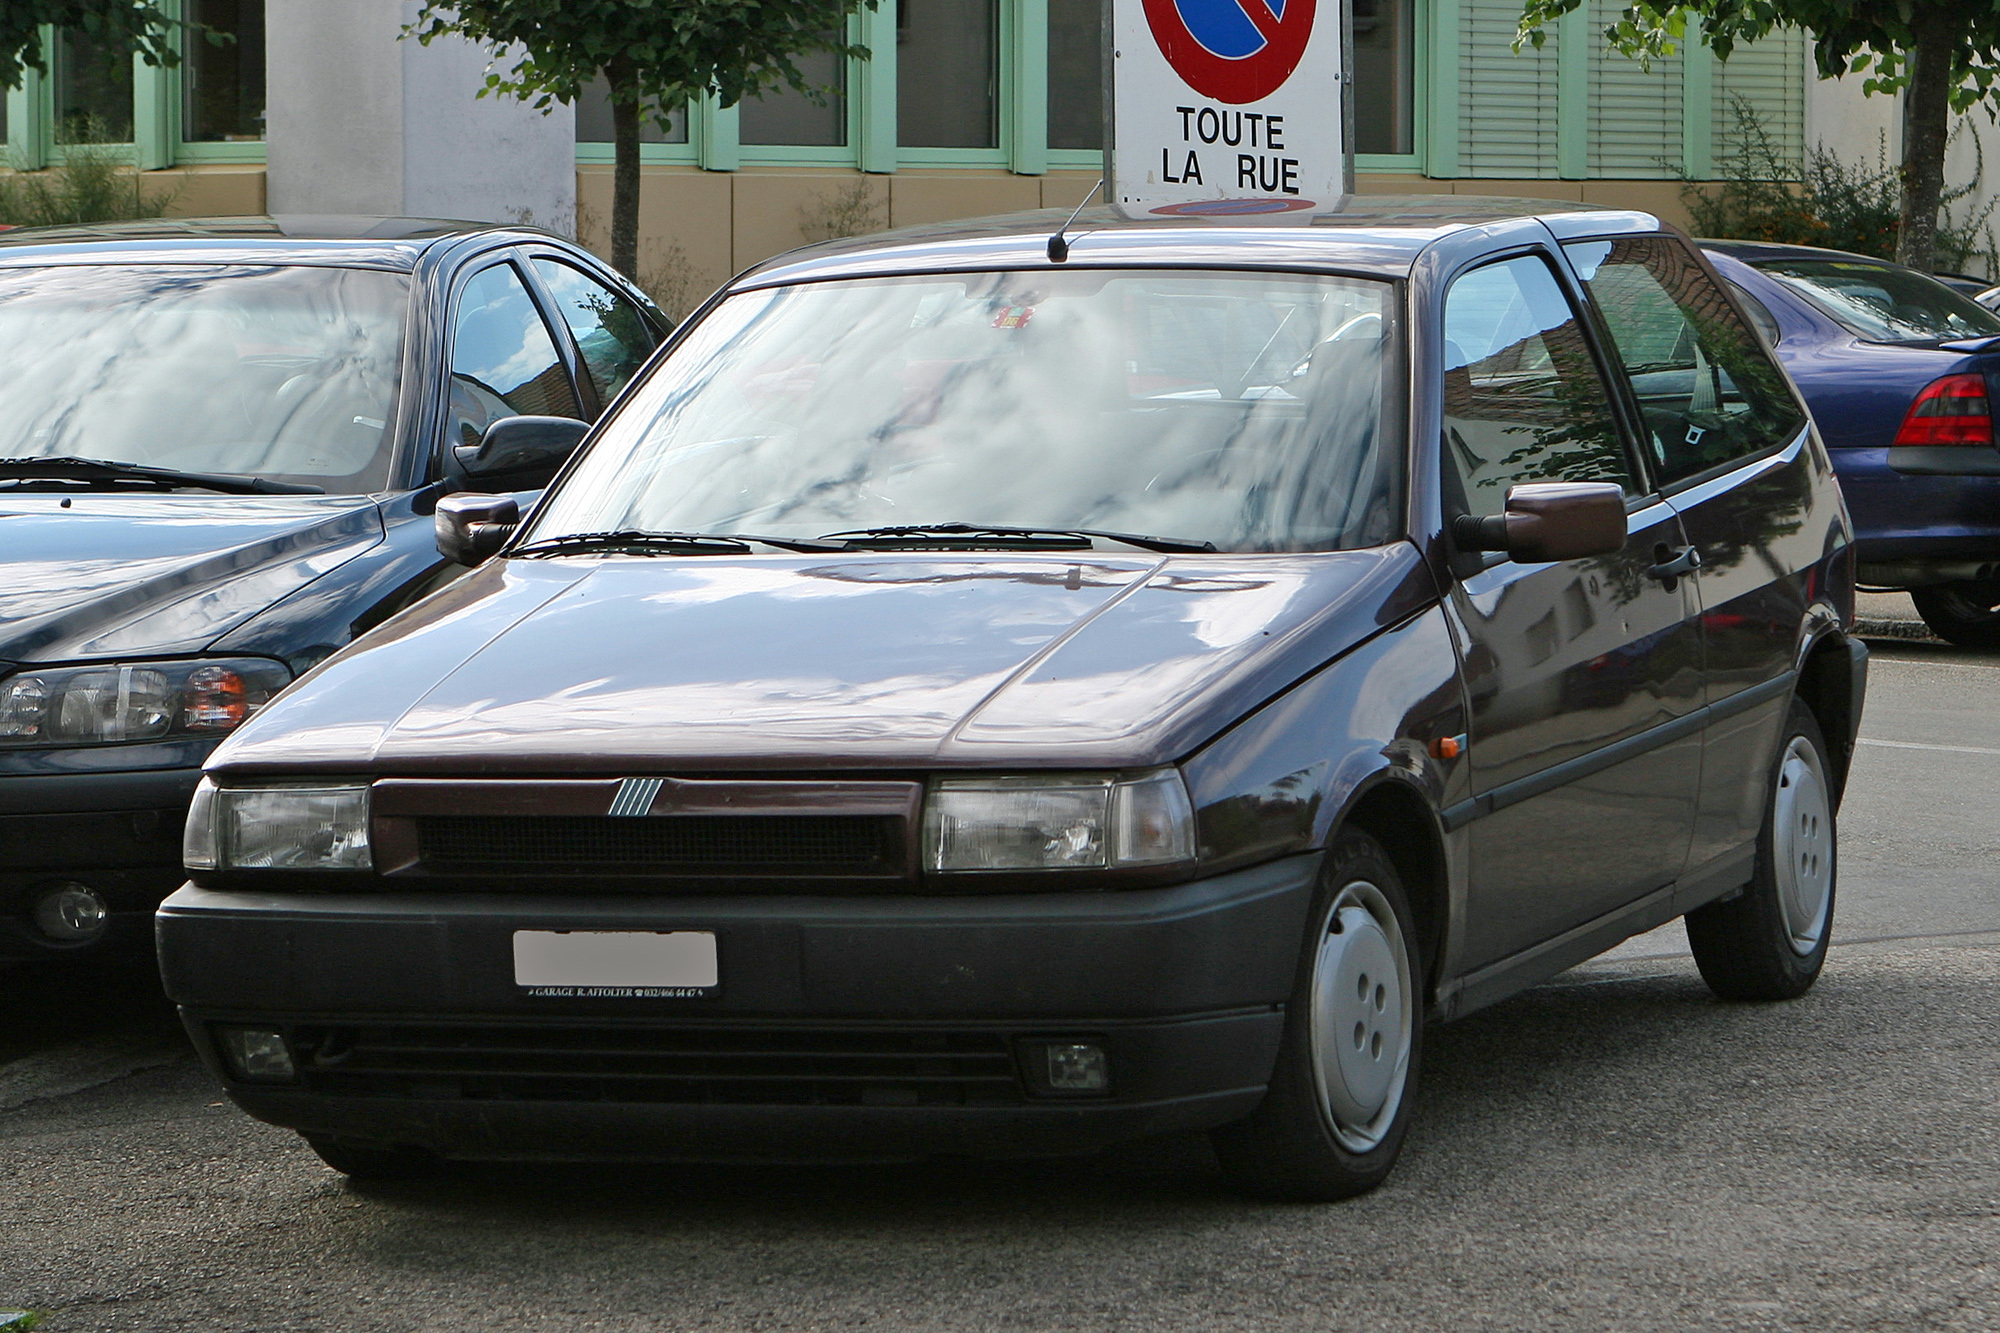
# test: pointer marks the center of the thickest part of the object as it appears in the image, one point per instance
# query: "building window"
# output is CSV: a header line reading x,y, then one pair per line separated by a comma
x,y
1385,76
948,73
223,85
1076,74
593,118
92,85
784,116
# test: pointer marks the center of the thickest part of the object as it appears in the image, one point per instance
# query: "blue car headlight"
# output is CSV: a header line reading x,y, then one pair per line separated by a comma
x,y
115,703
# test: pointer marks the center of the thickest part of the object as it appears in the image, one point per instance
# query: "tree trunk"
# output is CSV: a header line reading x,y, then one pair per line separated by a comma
x,y
625,174
1926,126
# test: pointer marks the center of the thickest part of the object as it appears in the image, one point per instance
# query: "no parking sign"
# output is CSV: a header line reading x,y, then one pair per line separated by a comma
x,y
1228,106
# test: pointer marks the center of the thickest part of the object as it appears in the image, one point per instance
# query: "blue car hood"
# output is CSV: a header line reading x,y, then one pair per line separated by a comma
x,y
121,575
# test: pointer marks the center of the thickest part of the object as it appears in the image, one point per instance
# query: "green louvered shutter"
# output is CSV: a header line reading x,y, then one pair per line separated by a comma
x,y
1635,112
1771,76
1507,102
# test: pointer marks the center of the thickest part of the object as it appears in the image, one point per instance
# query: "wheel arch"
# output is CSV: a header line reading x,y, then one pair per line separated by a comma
x,y
1832,683
1397,816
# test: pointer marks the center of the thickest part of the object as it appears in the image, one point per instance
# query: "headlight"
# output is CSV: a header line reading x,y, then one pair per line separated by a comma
x,y
134,701
277,828
1058,822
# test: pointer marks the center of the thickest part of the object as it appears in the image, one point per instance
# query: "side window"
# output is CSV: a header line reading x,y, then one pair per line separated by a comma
x,y
503,361
1523,399
1709,392
1760,314
610,332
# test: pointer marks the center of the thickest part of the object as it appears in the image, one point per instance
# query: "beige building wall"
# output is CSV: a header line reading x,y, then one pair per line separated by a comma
x,y
697,228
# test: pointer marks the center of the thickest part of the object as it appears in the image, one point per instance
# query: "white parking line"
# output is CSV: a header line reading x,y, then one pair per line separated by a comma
x,y
1945,749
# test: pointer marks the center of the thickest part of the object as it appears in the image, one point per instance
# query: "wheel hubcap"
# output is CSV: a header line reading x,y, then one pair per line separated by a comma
x,y
1362,1023
1802,846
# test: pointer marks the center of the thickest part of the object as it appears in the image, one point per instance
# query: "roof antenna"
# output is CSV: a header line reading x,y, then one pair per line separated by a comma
x,y
1058,247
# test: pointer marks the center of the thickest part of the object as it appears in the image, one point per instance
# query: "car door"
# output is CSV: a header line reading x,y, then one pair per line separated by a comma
x,y
1583,677
613,336
1731,445
505,360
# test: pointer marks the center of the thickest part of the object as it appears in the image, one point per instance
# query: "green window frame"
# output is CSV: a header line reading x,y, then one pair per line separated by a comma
x,y
714,142
157,97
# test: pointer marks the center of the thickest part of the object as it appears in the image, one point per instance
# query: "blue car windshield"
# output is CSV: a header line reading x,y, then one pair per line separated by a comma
x,y
286,373
1243,409
1883,303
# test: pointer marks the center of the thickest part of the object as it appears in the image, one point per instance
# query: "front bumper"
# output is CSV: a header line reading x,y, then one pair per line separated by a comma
x,y
843,1028
116,833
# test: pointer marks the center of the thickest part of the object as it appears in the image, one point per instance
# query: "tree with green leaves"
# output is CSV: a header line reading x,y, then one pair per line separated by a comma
x,y
656,55
1942,55
118,25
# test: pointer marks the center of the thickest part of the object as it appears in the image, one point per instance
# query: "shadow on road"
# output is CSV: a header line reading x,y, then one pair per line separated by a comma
x,y
48,1004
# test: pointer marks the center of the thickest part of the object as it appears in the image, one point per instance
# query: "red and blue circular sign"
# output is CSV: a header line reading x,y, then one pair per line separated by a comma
x,y
1234,51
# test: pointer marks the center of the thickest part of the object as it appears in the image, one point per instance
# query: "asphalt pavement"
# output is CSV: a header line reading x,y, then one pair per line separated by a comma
x,y
1614,1150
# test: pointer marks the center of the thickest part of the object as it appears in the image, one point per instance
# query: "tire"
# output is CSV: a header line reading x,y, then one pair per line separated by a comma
x,y
1333,1120
372,1161
1769,943
1967,614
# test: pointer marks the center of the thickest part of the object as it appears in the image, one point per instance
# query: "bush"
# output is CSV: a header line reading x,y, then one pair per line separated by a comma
x,y
92,185
1842,206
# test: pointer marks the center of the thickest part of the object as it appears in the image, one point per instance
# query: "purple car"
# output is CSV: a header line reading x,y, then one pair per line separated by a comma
x,y
1900,371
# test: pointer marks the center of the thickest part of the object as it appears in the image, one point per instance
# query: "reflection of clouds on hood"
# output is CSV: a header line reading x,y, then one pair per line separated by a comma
x,y
664,719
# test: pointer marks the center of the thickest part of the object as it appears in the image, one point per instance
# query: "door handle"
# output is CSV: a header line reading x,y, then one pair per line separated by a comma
x,y
1671,564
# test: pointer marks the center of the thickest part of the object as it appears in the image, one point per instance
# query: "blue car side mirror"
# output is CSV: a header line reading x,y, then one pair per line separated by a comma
x,y
527,449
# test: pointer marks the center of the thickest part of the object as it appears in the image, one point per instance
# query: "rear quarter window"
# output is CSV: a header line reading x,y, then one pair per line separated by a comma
x,y
1708,390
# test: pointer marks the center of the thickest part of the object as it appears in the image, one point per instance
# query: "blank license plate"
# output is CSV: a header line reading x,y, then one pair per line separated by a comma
x,y
615,963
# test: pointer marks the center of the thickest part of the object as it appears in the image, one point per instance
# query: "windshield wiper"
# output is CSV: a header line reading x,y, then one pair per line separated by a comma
x,y
989,536
100,472
666,543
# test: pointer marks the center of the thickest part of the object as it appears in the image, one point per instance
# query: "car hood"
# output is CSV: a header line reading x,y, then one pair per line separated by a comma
x,y
116,575
625,664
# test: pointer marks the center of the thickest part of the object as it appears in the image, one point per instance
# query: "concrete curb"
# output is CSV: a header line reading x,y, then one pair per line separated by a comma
x,y
1895,629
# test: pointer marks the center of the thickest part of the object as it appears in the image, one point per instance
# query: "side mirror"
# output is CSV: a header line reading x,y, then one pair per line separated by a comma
x,y
471,527
1549,520
527,450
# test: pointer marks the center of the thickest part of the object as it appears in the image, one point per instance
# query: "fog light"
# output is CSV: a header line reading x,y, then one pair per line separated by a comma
x,y
256,1055
1078,1068
71,913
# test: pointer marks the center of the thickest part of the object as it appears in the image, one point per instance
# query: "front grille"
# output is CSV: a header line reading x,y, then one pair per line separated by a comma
x,y
671,844
687,1065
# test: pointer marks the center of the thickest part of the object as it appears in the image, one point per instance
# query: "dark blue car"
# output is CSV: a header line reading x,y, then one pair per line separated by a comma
x,y
1900,372
221,444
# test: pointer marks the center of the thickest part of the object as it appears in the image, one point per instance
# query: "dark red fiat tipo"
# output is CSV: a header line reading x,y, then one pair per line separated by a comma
x,y
984,695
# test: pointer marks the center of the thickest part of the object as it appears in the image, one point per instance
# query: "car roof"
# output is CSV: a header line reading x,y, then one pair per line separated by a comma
x,y
1376,235
372,242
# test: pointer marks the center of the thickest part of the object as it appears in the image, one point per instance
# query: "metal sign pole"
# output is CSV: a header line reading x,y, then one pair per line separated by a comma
x,y
1347,97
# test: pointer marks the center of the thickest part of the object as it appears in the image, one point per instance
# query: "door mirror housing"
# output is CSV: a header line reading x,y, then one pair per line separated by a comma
x,y
1549,520
524,451
472,527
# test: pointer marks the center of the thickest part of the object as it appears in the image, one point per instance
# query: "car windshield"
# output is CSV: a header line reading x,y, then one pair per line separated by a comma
x,y
1882,303
1243,409
285,373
